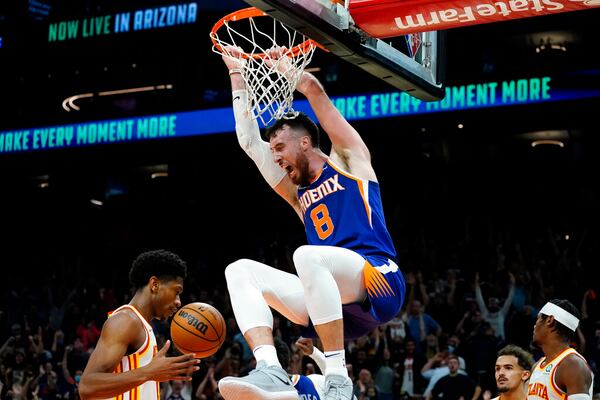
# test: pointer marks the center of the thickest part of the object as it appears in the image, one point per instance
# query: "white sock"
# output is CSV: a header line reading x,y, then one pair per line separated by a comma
x,y
335,363
266,352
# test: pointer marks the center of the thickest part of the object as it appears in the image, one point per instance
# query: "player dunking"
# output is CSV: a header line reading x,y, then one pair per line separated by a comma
x,y
348,281
562,373
125,364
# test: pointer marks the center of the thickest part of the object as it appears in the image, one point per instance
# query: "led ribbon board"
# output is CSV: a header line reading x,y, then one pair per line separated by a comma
x,y
220,120
122,22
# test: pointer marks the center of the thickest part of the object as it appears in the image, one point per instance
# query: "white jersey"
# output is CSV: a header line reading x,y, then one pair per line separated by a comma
x,y
148,390
542,384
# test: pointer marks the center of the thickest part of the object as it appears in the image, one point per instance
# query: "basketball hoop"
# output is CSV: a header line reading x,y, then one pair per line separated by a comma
x,y
270,77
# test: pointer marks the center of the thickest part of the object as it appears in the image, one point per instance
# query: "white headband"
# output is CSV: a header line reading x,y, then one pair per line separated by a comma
x,y
562,316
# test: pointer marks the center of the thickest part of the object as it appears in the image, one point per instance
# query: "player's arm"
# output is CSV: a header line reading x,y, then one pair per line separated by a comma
x,y
119,333
248,134
346,141
308,349
476,392
574,377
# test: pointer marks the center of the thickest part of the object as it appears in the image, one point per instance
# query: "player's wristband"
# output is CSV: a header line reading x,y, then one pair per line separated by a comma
x,y
234,71
579,396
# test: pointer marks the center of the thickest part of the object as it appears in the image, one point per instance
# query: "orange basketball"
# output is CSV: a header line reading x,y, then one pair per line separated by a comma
x,y
198,328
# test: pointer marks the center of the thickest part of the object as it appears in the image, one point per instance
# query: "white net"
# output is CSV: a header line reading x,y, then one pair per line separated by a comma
x,y
271,76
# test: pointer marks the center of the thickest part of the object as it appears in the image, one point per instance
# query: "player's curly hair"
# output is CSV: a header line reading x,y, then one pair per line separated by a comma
x,y
561,330
163,264
299,122
524,358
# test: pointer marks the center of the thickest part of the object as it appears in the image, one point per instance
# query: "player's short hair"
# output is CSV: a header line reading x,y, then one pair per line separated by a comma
x,y
524,358
163,264
283,353
565,333
298,122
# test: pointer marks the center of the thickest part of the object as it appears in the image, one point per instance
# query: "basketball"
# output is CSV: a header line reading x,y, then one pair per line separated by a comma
x,y
198,328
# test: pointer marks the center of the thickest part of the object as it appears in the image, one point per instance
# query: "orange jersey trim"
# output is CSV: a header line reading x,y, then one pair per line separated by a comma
x,y
317,177
132,366
359,182
132,360
551,361
375,283
145,349
555,388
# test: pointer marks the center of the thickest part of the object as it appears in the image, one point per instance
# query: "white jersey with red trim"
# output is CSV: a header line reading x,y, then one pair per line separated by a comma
x,y
143,356
542,384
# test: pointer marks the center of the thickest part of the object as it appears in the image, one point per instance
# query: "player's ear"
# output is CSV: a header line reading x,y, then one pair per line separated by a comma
x,y
154,284
526,375
305,142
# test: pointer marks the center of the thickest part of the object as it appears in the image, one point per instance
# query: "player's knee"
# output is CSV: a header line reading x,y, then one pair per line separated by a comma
x,y
307,260
237,271
302,257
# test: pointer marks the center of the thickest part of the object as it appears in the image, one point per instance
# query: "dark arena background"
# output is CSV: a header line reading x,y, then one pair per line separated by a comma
x,y
498,180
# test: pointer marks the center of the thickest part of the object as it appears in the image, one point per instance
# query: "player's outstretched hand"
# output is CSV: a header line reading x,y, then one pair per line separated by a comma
x,y
232,57
163,368
306,345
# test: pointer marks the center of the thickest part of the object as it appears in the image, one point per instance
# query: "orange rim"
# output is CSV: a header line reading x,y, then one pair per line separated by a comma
x,y
252,12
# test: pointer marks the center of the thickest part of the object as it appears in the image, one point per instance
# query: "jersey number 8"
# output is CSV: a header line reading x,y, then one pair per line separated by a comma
x,y
322,221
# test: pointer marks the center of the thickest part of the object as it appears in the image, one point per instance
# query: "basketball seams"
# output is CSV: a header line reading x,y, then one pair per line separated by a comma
x,y
188,329
204,317
220,318
199,353
194,333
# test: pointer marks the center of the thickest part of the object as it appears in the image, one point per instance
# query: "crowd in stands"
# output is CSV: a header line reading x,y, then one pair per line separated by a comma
x,y
464,302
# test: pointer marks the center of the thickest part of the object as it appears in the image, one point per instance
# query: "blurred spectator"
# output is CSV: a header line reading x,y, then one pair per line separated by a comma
x,y
208,387
482,349
409,378
364,381
420,325
437,367
88,333
494,313
455,386
384,377
77,357
178,390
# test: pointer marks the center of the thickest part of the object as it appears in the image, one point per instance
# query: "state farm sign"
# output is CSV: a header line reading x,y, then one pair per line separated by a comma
x,y
388,18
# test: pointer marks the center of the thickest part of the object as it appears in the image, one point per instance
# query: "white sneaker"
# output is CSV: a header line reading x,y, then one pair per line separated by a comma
x,y
338,387
266,382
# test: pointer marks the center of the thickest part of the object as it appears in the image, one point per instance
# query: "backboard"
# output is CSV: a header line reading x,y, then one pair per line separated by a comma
x,y
330,23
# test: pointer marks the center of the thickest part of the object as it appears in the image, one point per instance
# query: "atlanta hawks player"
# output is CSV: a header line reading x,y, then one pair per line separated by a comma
x,y
126,364
562,373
